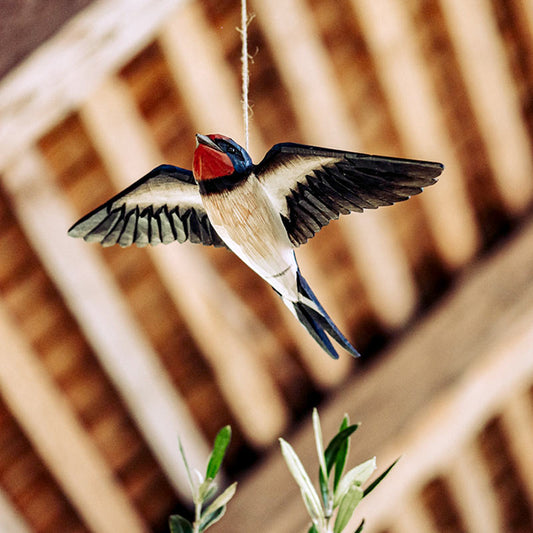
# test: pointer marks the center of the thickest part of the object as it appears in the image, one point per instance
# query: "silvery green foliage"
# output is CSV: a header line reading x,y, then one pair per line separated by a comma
x,y
330,509
339,493
203,490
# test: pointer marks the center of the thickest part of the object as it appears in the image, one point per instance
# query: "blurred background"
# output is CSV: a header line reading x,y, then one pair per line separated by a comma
x,y
107,355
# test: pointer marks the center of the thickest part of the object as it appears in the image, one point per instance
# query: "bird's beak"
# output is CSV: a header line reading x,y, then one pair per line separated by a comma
x,y
206,141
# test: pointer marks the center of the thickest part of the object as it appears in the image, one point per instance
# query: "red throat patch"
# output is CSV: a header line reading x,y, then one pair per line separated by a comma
x,y
209,164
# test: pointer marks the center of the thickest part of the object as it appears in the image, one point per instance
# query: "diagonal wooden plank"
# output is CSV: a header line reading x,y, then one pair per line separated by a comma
x,y
406,83
493,96
90,47
324,118
11,521
59,438
228,333
98,306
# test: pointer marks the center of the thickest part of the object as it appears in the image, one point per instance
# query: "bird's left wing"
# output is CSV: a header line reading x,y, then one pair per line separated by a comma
x,y
161,207
311,186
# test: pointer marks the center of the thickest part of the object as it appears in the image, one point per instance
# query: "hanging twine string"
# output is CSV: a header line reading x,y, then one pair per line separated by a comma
x,y
243,30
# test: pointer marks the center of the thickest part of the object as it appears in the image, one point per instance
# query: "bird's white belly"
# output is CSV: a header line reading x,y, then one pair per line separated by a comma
x,y
246,221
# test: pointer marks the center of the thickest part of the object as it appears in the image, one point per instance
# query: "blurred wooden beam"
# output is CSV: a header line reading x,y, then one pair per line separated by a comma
x,y
400,67
99,308
493,96
430,395
58,76
517,418
325,120
409,518
203,77
469,481
382,265
305,68
57,435
228,333
11,520
527,8
213,98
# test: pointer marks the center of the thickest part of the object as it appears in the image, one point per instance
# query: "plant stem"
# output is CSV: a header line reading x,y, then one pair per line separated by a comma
x,y
197,515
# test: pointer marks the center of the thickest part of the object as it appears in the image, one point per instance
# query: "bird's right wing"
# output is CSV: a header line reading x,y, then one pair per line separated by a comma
x,y
161,207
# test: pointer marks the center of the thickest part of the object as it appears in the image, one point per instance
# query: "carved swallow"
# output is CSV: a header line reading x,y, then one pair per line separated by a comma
x,y
260,212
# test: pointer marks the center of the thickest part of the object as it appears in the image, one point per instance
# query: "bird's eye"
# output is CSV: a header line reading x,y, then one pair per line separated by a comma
x,y
227,147
224,145
230,149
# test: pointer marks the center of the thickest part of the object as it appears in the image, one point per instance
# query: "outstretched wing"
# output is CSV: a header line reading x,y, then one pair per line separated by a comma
x,y
311,186
161,207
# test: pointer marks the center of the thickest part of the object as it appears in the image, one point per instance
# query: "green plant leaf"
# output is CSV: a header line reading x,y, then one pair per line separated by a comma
x,y
192,485
320,448
324,490
310,497
378,480
313,529
347,507
354,477
360,528
206,489
222,441
336,444
221,500
340,459
323,473
209,519
178,524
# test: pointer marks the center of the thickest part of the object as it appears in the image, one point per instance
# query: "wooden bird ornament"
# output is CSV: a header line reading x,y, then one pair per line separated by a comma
x,y
260,212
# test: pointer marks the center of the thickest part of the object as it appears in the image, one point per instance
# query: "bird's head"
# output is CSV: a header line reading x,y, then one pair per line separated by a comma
x,y
217,155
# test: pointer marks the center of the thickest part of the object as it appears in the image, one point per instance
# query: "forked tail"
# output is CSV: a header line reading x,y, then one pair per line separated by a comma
x,y
312,315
